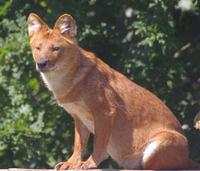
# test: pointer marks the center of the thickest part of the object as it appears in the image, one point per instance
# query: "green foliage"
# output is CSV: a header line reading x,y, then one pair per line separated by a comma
x,y
29,116
154,42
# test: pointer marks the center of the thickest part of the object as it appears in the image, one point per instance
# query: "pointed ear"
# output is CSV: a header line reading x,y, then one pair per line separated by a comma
x,y
66,25
35,23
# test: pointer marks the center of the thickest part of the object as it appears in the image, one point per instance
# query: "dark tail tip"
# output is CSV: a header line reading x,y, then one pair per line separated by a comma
x,y
197,121
193,165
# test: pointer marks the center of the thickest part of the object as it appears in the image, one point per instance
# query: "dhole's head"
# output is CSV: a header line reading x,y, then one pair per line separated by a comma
x,y
53,49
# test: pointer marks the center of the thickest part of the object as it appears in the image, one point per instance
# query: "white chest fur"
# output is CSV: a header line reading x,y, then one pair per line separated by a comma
x,y
80,109
51,80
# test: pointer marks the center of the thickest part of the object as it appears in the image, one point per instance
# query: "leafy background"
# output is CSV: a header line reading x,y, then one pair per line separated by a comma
x,y
153,42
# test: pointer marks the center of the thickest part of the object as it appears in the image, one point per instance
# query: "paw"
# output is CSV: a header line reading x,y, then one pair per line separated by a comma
x,y
88,164
68,165
58,166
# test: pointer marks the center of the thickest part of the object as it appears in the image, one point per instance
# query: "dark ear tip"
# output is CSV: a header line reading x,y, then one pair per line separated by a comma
x,y
66,16
32,16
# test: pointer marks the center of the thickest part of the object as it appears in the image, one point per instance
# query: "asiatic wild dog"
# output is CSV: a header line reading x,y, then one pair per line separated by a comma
x,y
129,123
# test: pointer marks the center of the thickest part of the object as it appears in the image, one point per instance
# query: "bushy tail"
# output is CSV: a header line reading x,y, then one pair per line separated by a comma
x,y
197,121
193,165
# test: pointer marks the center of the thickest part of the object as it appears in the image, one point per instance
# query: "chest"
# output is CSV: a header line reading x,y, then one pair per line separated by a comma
x,y
52,81
57,83
80,109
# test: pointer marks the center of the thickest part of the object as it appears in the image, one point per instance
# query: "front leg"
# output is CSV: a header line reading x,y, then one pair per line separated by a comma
x,y
80,143
103,126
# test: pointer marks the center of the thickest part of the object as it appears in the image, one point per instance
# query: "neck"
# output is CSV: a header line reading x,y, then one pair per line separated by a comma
x,y
62,82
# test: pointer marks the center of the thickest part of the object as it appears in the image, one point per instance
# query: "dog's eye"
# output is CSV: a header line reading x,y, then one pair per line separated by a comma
x,y
37,48
55,48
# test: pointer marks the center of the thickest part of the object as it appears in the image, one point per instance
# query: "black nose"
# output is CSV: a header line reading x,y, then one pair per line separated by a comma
x,y
42,63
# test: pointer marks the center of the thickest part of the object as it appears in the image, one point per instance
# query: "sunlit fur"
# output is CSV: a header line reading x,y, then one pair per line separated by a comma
x,y
129,123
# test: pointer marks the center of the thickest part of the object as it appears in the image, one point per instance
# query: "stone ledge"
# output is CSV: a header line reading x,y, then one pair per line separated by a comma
x,y
19,169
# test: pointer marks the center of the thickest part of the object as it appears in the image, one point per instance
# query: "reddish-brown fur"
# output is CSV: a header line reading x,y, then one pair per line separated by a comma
x,y
129,123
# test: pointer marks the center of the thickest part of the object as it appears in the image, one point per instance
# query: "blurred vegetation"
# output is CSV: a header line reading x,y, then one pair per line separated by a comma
x,y
156,43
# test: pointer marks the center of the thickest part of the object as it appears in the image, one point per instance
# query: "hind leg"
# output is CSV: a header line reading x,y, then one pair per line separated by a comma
x,y
167,150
